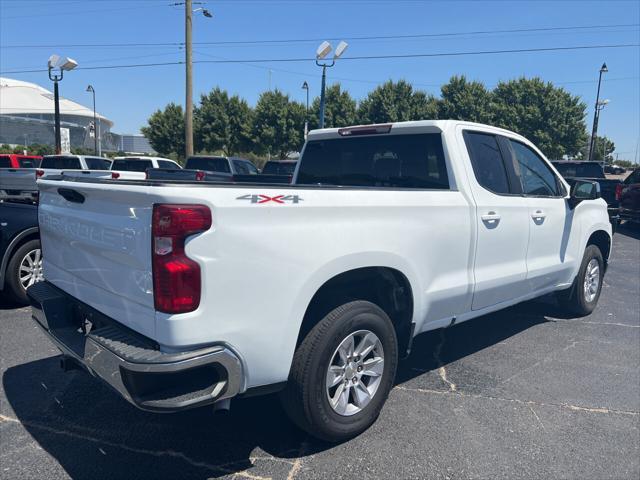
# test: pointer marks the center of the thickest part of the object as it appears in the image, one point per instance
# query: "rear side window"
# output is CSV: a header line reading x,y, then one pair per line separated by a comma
x,y
536,177
26,162
210,164
395,161
61,163
168,165
131,165
279,168
96,163
5,161
487,162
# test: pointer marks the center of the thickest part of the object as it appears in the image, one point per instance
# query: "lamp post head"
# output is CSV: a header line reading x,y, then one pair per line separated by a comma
x,y
305,85
62,63
604,68
323,50
90,89
340,49
207,13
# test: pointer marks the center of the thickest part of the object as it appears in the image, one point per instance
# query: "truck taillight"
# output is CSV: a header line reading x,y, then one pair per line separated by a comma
x,y
115,175
39,173
619,189
200,176
176,278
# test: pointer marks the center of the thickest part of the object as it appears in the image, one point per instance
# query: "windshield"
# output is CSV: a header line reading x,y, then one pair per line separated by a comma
x,y
585,170
61,162
279,168
128,165
209,164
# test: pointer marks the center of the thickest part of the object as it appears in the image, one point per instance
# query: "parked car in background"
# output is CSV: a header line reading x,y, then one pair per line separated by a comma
x,y
10,160
132,167
279,167
208,168
388,231
628,193
52,164
577,170
20,254
614,169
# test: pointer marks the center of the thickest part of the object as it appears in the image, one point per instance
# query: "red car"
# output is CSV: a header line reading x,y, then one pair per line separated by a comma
x,y
13,160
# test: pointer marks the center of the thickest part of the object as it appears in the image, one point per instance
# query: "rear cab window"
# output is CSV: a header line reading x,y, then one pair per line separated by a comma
x,y
393,161
61,162
97,163
26,162
209,164
131,165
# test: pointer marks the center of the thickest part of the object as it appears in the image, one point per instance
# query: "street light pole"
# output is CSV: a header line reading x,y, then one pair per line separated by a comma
x,y
188,115
95,123
61,64
305,86
596,114
323,50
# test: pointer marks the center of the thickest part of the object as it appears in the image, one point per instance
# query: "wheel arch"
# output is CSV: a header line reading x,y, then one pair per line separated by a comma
x,y
388,287
17,241
602,240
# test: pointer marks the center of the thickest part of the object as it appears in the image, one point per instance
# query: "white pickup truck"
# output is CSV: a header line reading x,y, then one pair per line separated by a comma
x,y
185,294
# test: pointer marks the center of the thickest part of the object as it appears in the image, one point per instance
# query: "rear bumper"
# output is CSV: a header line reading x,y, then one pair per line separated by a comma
x,y
131,363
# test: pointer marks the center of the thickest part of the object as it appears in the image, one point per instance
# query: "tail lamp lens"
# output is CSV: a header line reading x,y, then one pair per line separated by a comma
x,y
619,189
176,277
39,173
115,175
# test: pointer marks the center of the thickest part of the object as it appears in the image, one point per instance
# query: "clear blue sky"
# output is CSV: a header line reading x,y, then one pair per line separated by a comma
x,y
129,96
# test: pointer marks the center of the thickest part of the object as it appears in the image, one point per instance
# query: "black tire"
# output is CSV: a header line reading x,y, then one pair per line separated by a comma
x,y
12,276
574,300
305,397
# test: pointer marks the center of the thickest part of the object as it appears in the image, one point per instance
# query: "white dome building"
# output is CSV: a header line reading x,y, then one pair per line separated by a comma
x,y
27,117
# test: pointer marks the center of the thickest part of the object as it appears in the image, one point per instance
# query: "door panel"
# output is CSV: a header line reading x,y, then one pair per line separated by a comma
x,y
502,218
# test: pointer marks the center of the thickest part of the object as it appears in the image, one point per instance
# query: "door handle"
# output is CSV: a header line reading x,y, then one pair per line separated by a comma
x,y
491,217
539,215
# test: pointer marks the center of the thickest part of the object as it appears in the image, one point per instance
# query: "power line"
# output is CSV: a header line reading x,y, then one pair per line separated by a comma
x,y
342,59
302,40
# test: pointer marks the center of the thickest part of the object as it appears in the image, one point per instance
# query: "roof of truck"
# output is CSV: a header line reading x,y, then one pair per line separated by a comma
x,y
395,126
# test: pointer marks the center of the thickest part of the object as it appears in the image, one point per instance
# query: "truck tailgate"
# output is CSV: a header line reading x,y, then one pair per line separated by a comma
x,y
96,241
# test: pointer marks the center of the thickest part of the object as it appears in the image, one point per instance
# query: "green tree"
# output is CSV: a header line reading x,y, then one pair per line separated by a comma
x,y
397,102
165,130
223,123
464,100
340,109
549,116
603,149
278,125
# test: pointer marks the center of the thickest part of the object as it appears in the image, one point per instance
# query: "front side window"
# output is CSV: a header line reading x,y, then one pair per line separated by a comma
x,y
168,165
241,168
487,162
536,176
251,168
395,161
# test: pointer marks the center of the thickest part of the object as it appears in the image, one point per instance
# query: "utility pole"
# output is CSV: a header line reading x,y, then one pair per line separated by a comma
x,y
596,114
188,114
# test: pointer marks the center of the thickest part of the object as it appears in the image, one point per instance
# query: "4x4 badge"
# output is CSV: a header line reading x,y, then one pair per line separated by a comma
x,y
269,199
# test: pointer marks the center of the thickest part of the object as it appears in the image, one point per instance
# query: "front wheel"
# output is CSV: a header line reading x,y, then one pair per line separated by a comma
x,y
581,299
342,372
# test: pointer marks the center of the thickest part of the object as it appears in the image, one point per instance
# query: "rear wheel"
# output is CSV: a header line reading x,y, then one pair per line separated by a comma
x,y
342,372
24,269
581,299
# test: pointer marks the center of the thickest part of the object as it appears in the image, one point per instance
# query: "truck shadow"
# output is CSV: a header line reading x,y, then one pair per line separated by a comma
x,y
92,433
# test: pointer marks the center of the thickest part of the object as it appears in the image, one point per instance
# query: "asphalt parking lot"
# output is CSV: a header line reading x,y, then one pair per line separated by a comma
x,y
524,393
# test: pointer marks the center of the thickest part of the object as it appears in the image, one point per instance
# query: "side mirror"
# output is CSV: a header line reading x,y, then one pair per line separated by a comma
x,y
583,190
